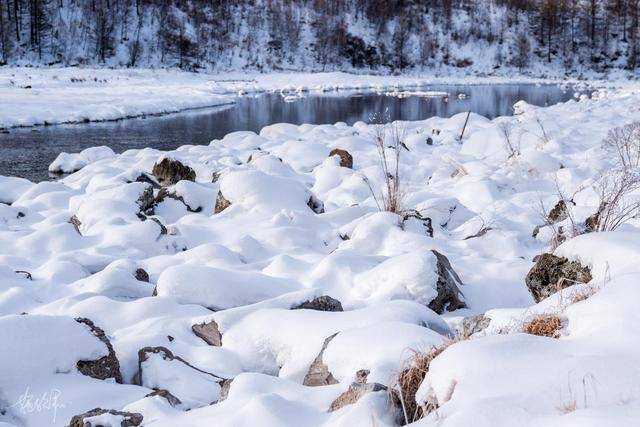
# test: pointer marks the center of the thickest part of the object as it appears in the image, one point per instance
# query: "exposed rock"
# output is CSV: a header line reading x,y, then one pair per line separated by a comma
x,y
163,229
25,274
143,356
482,232
127,419
346,159
449,295
215,176
552,273
591,223
76,223
225,386
315,204
173,401
142,275
318,374
209,332
171,171
356,390
146,201
221,203
149,179
425,220
472,325
105,367
321,303
558,213
164,194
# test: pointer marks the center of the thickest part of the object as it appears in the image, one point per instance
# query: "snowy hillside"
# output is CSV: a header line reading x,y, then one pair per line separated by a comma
x,y
296,277
539,37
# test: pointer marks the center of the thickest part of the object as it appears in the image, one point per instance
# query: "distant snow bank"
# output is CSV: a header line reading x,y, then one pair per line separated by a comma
x,y
42,96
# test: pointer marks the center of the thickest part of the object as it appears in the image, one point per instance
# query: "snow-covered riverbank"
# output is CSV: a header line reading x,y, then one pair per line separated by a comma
x,y
193,271
37,96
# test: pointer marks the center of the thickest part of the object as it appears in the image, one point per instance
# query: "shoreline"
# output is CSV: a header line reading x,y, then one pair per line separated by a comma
x,y
53,96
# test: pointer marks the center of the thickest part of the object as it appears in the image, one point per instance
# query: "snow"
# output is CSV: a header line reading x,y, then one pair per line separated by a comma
x,y
248,267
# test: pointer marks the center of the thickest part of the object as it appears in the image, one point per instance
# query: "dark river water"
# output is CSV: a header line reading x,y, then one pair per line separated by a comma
x,y
27,152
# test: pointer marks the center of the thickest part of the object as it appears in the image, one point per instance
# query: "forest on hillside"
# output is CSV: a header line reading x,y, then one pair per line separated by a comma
x,y
486,36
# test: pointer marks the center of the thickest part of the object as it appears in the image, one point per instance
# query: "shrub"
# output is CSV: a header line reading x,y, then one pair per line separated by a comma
x,y
543,325
388,139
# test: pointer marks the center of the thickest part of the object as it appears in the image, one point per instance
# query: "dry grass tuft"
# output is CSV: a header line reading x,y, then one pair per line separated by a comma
x,y
582,294
568,407
408,381
544,325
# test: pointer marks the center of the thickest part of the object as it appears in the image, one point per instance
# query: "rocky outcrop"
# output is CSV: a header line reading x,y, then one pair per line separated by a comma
x,y
107,366
125,419
221,203
321,303
208,332
171,171
449,296
552,273
318,373
356,390
346,159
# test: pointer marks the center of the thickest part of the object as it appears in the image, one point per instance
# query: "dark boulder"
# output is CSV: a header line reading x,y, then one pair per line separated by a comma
x,y
552,273
142,275
346,159
321,303
171,171
449,295
107,366
208,332
315,204
127,419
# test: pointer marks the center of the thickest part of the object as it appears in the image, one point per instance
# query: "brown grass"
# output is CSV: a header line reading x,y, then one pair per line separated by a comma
x,y
543,325
408,381
582,294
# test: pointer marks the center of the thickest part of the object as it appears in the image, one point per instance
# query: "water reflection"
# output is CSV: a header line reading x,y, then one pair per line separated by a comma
x,y
28,152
